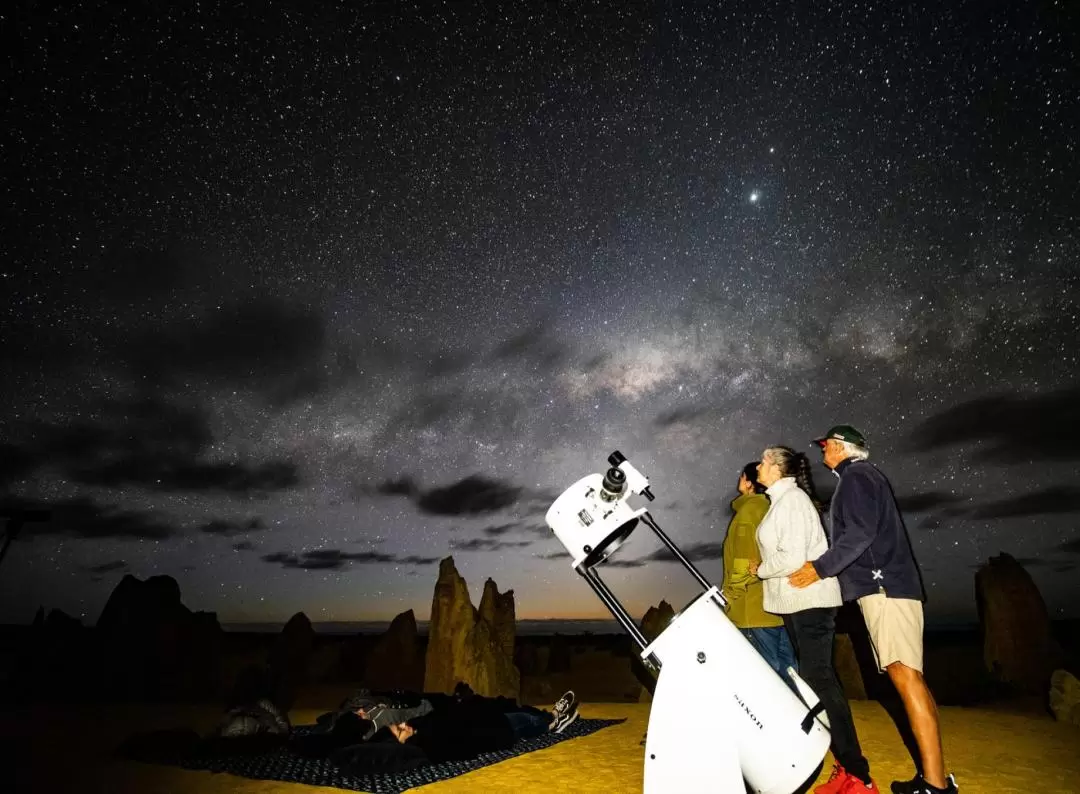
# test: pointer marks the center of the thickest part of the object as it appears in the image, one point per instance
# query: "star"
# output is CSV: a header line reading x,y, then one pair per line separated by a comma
x,y
754,196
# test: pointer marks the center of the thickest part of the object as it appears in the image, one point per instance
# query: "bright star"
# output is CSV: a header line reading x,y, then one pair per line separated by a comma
x,y
754,197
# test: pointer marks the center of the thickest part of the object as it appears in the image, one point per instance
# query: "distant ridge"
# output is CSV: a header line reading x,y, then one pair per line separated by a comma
x,y
524,627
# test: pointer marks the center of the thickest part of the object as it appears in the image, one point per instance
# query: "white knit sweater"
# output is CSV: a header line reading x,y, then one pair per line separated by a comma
x,y
788,536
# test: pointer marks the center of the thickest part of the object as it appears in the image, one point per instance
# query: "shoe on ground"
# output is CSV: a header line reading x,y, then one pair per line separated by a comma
x,y
563,706
566,720
919,786
564,712
837,780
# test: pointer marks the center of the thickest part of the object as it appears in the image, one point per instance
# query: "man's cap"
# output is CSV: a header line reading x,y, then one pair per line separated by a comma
x,y
842,433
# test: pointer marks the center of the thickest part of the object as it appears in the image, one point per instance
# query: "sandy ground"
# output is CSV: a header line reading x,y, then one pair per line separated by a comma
x,y
990,751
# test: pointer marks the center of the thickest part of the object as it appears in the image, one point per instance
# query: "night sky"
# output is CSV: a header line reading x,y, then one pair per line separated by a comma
x,y
298,301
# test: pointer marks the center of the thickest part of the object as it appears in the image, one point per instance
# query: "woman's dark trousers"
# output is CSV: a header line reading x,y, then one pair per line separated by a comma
x,y
812,632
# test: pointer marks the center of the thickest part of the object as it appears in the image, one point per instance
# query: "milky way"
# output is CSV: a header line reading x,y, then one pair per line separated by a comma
x,y
300,302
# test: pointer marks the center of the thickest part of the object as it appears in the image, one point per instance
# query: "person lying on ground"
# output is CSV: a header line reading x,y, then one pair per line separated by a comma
x,y
462,728
253,719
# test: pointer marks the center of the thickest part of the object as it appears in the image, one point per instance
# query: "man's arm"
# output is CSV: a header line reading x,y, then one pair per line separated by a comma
x,y
854,528
790,551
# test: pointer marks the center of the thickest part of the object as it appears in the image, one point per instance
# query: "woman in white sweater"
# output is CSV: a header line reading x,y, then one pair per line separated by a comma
x,y
788,536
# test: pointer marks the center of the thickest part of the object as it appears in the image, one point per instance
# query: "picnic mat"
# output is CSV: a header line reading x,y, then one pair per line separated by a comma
x,y
283,760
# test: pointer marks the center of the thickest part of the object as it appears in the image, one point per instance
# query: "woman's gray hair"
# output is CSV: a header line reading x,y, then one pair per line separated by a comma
x,y
854,451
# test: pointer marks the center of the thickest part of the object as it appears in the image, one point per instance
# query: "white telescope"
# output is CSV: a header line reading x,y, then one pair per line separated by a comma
x,y
720,714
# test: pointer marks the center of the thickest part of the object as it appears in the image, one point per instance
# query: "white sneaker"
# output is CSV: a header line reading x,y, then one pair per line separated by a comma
x,y
564,712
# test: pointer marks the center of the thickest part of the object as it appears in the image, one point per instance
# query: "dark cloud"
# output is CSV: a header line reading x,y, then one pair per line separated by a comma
x,y
533,343
535,503
694,551
219,526
1065,567
926,501
521,527
680,415
243,545
288,560
108,567
1010,428
939,518
15,463
561,554
594,363
335,559
1033,562
268,346
625,563
1070,546
498,530
154,444
83,518
1049,501
1059,499
403,486
416,559
488,544
473,495
932,522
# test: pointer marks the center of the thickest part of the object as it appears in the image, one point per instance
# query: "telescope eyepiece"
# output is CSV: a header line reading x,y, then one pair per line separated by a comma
x,y
613,485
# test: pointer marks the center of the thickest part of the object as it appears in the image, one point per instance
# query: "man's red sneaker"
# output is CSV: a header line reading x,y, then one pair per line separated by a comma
x,y
836,782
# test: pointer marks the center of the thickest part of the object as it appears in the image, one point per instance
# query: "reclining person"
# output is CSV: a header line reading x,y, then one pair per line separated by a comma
x,y
466,726
253,719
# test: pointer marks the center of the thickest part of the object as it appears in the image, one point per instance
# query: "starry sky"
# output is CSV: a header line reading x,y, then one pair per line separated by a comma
x,y
300,300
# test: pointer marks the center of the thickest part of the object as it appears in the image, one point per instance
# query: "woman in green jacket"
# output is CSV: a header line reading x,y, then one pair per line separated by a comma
x,y
742,589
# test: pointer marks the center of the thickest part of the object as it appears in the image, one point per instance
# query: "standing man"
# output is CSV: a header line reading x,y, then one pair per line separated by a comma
x,y
870,553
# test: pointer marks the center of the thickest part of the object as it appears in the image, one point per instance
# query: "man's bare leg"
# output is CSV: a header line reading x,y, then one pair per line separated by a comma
x,y
922,713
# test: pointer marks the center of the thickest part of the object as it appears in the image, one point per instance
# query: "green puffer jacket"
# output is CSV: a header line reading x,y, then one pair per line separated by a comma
x,y
742,589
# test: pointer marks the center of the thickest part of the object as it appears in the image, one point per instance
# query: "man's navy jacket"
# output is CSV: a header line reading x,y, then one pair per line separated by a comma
x,y
869,549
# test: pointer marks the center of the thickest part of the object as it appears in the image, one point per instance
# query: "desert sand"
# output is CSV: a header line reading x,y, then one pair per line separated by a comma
x,y
990,751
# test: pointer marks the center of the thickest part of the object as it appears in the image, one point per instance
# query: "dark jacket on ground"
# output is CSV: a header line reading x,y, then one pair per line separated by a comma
x,y
869,549
461,730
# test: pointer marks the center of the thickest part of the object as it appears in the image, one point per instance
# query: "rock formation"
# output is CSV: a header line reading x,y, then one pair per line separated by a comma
x,y
1018,648
654,622
467,645
1065,697
153,645
498,611
396,661
289,660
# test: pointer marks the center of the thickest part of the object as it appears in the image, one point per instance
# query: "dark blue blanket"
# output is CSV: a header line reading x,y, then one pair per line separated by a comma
x,y
288,762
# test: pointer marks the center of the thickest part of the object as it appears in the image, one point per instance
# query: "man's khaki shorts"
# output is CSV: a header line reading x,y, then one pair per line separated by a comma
x,y
895,626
